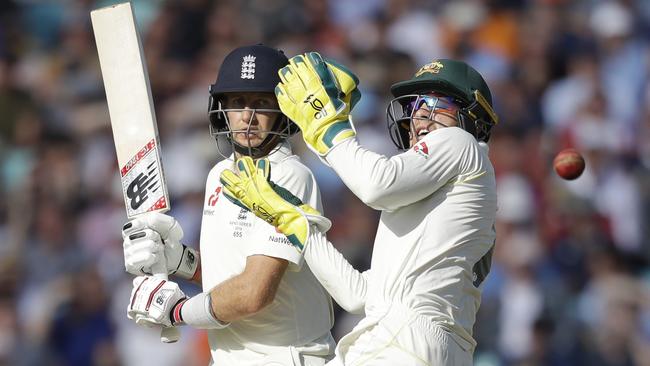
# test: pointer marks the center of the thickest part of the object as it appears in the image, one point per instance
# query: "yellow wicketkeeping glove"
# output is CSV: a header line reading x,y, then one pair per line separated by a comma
x,y
318,95
251,189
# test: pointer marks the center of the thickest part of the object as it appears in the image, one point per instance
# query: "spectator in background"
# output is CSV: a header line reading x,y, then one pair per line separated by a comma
x,y
82,332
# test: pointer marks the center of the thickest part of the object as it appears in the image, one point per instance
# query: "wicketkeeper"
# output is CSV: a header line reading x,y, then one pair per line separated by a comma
x,y
436,234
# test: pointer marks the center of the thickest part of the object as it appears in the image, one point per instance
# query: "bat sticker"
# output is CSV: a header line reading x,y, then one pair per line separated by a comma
x,y
141,181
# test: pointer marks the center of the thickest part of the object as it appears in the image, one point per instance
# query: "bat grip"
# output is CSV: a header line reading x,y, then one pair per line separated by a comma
x,y
167,334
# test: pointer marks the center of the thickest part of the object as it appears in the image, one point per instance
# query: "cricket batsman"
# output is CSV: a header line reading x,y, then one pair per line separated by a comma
x,y
260,304
436,233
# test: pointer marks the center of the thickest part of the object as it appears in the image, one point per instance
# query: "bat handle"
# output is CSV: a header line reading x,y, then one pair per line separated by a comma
x,y
167,334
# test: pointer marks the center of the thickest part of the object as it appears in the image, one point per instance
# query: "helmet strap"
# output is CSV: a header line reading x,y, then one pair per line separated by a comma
x,y
466,122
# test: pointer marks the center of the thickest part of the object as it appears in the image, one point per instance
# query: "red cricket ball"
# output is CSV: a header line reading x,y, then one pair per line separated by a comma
x,y
569,164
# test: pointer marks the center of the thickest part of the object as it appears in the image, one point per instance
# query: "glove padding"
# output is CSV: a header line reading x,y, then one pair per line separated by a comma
x,y
251,189
154,237
318,96
153,300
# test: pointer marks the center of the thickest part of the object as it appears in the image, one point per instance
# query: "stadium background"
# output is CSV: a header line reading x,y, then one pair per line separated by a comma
x,y
570,277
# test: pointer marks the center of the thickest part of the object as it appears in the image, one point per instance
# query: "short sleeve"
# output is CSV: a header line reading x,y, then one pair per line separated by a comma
x,y
264,238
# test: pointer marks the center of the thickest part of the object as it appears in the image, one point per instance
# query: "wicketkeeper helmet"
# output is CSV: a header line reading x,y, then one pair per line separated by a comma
x,y
453,78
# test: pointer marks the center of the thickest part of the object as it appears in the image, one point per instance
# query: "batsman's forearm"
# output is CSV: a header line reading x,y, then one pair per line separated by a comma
x,y
250,291
229,301
196,312
344,283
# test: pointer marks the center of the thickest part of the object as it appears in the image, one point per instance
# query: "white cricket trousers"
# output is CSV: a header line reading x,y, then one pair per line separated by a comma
x,y
315,353
401,338
289,358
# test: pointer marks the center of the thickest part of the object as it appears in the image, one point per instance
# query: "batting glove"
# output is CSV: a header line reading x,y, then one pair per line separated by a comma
x,y
154,237
318,96
153,301
251,189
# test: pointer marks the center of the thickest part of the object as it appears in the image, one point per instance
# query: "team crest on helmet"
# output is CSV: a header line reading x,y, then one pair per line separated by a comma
x,y
433,67
248,67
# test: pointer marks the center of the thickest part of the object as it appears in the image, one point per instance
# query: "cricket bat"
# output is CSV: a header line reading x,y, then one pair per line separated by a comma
x,y
133,119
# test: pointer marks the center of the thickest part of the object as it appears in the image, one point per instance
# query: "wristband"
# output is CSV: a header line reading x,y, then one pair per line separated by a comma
x,y
176,316
197,312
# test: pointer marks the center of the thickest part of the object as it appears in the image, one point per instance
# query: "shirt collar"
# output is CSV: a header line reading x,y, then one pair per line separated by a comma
x,y
484,146
278,153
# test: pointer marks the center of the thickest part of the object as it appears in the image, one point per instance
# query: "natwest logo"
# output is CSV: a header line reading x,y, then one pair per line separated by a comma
x,y
214,197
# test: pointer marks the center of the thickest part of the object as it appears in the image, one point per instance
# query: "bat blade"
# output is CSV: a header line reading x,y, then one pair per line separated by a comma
x,y
133,119
131,109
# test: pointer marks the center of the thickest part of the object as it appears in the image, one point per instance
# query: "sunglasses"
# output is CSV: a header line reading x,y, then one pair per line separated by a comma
x,y
432,103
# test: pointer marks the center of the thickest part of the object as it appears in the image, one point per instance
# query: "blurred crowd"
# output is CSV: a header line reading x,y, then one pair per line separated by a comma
x,y
571,274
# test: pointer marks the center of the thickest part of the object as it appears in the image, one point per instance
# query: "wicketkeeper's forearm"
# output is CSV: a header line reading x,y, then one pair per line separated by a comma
x,y
344,283
367,174
390,183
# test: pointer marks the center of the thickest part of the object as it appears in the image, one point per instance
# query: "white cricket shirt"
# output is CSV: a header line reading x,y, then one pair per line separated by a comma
x,y
301,311
436,231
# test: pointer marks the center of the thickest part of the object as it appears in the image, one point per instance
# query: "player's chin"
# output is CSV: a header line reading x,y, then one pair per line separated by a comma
x,y
248,139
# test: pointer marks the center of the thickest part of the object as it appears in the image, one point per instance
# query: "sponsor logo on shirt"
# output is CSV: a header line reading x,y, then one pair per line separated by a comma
x,y
279,240
422,149
214,197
